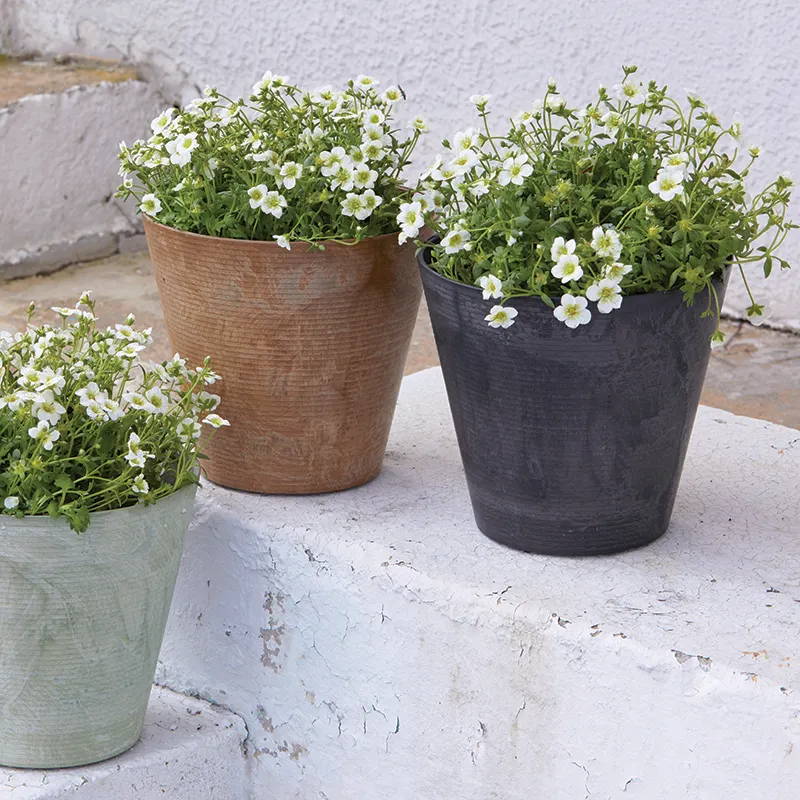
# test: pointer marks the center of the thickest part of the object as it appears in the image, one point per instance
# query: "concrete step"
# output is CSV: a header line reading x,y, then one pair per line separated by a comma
x,y
190,750
60,124
378,646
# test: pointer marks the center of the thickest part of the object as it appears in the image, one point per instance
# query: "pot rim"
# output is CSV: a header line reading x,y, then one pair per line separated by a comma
x,y
9,523
423,251
250,242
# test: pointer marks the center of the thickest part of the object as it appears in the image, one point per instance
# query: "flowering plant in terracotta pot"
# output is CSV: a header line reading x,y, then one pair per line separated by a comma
x,y
280,208
596,241
98,469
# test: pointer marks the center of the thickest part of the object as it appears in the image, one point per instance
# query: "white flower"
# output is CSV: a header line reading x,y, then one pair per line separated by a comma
x,y
464,161
574,139
372,116
273,203
365,81
50,379
561,247
90,393
419,124
606,243
112,409
139,485
188,430
480,100
364,177
606,293
343,178
290,173
157,400
479,188
465,140
10,503
667,183
617,270
47,409
501,316
181,147
216,421
150,205
630,91
515,170
268,80
44,435
353,205
282,241
757,314
492,287
95,410
567,268
136,456
457,240
162,121
371,201
410,220
677,161
572,311
391,94
257,195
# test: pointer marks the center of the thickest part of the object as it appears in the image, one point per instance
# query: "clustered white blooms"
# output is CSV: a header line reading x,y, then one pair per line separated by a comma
x,y
87,425
284,164
632,193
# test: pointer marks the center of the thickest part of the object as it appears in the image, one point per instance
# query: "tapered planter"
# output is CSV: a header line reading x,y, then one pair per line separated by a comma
x,y
81,622
572,440
312,345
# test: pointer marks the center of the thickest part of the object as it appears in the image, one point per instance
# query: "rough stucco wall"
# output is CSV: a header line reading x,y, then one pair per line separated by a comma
x,y
740,55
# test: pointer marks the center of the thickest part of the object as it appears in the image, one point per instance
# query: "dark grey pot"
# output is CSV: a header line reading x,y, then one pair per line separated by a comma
x,y
572,440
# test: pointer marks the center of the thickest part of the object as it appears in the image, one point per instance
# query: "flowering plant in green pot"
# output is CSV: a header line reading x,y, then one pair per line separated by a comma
x,y
634,192
98,471
595,241
279,210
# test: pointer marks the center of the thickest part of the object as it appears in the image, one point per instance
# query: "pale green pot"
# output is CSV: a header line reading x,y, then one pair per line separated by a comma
x,y
82,616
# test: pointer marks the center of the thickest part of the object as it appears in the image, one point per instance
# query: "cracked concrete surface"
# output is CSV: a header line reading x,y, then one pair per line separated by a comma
x,y
756,374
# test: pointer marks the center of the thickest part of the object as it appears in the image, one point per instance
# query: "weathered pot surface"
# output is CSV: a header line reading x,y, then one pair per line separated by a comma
x,y
311,344
82,616
572,441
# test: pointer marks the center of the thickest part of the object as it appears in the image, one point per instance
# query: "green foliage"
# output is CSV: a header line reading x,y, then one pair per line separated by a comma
x,y
86,425
665,180
285,163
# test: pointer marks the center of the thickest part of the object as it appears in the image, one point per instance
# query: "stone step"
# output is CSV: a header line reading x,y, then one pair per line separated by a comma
x,y
378,646
60,124
189,750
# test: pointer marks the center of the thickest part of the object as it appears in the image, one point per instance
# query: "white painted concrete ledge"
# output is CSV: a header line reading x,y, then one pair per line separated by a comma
x,y
189,750
378,646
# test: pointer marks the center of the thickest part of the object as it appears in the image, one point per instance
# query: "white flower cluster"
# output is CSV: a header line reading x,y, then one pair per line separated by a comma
x,y
545,208
322,162
68,396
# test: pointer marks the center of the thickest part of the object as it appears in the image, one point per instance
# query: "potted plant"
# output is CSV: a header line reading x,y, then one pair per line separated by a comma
x,y
271,225
98,471
574,285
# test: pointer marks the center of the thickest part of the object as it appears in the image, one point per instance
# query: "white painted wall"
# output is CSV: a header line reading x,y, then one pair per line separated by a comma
x,y
741,55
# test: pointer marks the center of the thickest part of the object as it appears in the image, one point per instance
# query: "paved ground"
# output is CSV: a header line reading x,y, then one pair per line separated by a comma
x,y
757,373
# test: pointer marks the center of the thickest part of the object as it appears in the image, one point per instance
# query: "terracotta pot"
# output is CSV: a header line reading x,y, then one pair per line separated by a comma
x,y
311,346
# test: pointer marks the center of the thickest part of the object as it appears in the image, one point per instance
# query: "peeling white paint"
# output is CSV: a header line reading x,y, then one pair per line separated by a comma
x,y
409,657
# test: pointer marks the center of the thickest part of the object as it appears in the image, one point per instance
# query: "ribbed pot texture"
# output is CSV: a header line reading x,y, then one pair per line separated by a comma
x,y
311,346
82,616
572,441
